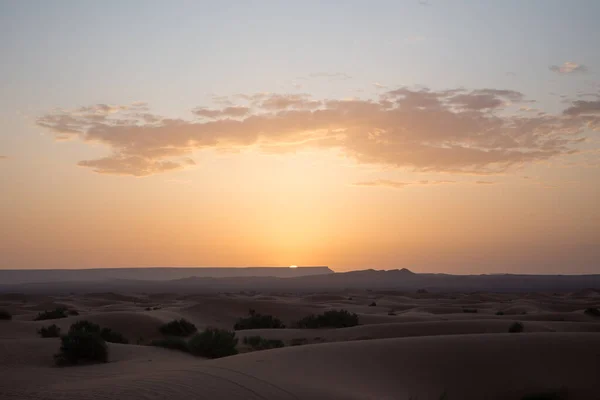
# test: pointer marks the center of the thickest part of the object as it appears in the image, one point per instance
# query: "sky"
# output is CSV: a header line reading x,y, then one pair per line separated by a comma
x,y
440,136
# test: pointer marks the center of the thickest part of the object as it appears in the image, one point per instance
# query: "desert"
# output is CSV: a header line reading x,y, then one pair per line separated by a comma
x,y
407,344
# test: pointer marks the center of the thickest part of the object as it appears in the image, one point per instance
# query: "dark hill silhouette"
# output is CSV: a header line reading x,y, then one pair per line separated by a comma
x,y
403,280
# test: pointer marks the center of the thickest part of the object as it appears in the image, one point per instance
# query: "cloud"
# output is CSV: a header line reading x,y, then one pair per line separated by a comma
x,y
398,185
581,107
485,182
132,165
3,157
379,85
330,75
232,111
452,131
568,68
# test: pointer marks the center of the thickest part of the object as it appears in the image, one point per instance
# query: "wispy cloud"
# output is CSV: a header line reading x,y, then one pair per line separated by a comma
x,y
330,75
452,131
568,68
399,185
379,85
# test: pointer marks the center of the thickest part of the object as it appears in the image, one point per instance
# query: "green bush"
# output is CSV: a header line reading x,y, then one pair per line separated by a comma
x,y
260,343
594,312
329,319
105,333
213,343
5,315
516,327
113,337
57,313
174,343
258,321
81,346
50,331
85,326
180,327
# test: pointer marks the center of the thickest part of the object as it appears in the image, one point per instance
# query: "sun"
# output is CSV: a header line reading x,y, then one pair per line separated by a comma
x,y
293,266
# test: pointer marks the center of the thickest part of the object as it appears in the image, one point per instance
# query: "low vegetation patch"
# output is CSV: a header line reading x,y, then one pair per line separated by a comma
x,y
500,313
373,304
83,344
49,331
73,312
178,327
594,312
57,313
260,343
470,310
329,319
113,337
255,320
173,343
106,334
298,341
5,315
516,327
85,326
213,343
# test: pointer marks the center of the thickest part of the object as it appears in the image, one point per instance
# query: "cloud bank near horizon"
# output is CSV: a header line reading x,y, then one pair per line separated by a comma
x,y
481,131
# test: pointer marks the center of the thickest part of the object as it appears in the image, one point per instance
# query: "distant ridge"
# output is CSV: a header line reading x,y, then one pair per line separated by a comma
x,y
307,279
16,276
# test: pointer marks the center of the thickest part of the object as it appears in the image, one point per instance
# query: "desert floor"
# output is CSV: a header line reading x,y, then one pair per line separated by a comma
x,y
407,346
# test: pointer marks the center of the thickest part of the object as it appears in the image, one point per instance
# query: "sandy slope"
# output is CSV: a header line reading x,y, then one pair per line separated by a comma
x,y
428,345
487,366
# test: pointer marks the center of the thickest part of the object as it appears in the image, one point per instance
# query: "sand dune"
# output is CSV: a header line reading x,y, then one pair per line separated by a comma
x,y
490,366
409,345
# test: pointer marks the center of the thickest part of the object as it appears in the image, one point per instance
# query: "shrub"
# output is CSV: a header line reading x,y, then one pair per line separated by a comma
x,y
178,327
85,326
106,334
213,343
260,343
470,310
81,346
50,331
5,315
173,343
422,291
298,341
594,312
373,304
73,312
391,313
516,327
258,321
57,313
500,313
329,319
113,337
